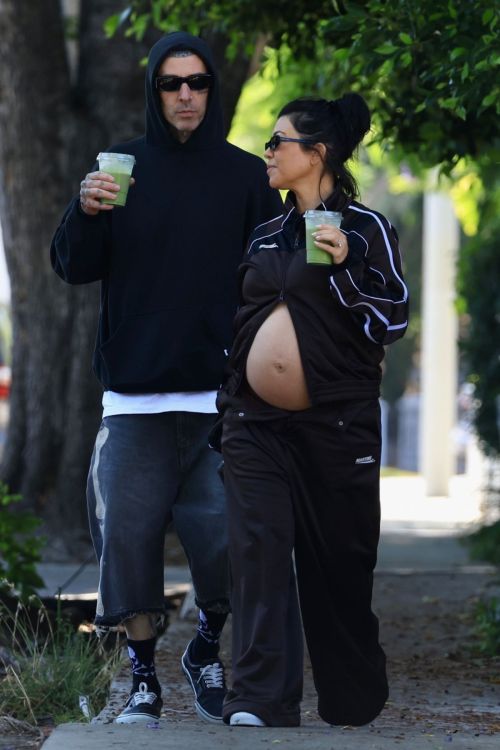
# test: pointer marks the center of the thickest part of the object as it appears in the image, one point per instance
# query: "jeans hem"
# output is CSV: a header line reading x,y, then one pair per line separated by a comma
x,y
106,622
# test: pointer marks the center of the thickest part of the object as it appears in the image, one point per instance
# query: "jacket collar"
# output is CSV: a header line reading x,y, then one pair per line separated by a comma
x,y
336,201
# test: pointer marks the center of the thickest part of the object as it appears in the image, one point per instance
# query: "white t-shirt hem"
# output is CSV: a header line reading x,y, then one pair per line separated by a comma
x,y
202,402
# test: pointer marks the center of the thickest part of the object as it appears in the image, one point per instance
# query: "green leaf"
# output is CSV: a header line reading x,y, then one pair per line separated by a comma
x,y
487,16
405,38
387,48
405,59
457,52
490,99
450,103
111,25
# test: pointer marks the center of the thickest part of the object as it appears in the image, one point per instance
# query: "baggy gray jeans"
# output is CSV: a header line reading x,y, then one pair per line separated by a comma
x,y
147,470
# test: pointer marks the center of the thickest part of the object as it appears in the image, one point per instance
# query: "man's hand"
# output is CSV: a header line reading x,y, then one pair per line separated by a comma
x,y
96,186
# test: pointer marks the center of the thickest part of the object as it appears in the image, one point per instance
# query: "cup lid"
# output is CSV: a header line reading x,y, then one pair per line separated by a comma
x,y
116,157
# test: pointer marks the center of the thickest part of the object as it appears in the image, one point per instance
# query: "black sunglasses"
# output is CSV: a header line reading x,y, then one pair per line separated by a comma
x,y
196,82
276,139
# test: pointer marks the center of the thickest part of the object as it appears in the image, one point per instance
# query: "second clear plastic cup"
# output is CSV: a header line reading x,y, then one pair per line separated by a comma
x,y
120,166
313,220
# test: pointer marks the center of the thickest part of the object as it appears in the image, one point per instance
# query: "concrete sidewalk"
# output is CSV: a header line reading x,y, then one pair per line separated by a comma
x,y
423,574
195,737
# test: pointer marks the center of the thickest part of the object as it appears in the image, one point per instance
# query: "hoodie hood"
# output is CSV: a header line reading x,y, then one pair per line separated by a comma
x,y
210,132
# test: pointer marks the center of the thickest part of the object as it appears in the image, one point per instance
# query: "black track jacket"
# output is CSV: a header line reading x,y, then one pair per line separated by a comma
x,y
343,314
168,260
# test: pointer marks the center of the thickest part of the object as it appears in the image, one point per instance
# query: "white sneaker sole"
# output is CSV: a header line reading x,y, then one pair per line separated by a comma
x,y
206,716
135,719
245,719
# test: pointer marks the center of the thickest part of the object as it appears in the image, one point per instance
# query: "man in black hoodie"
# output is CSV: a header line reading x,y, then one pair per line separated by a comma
x,y
167,265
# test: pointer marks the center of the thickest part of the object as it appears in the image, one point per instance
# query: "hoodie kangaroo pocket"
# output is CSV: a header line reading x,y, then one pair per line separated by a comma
x,y
167,350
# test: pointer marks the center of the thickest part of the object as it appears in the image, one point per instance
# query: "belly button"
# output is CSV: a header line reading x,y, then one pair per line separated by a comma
x,y
279,366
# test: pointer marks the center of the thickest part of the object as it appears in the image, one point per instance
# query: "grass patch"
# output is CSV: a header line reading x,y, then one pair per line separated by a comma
x,y
50,669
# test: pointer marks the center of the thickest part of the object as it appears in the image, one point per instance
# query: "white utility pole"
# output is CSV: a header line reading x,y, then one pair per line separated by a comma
x,y
439,342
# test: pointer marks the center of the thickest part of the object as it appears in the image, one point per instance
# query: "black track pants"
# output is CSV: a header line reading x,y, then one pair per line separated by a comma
x,y
306,481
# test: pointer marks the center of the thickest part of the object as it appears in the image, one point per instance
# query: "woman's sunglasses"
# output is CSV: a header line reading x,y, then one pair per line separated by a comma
x,y
196,82
276,139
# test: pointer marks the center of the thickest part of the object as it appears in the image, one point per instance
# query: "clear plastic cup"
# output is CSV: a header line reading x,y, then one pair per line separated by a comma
x,y
120,166
313,220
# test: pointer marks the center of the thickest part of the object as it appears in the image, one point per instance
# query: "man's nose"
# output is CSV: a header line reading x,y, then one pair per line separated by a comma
x,y
184,92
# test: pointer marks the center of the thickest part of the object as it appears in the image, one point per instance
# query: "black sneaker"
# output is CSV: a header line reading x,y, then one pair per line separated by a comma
x,y
209,685
141,706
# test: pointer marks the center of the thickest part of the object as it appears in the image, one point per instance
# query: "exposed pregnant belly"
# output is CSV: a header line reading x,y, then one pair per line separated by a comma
x,y
274,368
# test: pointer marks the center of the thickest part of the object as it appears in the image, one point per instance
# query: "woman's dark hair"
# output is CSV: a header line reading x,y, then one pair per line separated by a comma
x,y
340,124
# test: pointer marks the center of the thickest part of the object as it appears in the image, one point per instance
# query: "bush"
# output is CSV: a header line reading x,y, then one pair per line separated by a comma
x,y
477,282
488,626
484,544
19,548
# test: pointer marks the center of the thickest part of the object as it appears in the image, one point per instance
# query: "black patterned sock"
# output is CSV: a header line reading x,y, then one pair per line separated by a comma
x,y
142,662
206,644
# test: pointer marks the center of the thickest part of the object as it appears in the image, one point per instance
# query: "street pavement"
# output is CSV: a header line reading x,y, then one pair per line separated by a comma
x,y
420,537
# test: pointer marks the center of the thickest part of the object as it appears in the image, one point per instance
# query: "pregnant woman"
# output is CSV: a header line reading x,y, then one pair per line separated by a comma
x,y
301,431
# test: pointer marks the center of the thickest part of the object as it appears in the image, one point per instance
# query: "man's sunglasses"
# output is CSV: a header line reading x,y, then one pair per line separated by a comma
x,y
196,82
276,139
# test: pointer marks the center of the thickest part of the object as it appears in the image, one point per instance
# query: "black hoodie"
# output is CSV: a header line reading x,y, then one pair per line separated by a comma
x,y
167,261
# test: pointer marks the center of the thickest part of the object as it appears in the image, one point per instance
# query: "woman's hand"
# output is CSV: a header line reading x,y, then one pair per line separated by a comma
x,y
332,240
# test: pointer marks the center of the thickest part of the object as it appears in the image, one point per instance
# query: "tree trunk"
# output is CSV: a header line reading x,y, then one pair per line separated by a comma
x,y
51,128
51,132
34,105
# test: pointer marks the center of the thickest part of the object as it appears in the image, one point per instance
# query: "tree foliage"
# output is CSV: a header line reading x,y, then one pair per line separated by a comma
x,y
426,68
282,22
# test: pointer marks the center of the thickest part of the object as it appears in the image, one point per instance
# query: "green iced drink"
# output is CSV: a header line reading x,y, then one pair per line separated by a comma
x,y
120,167
313,219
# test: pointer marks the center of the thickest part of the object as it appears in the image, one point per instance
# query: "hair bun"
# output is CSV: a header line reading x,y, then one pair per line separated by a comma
x,y
356,116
